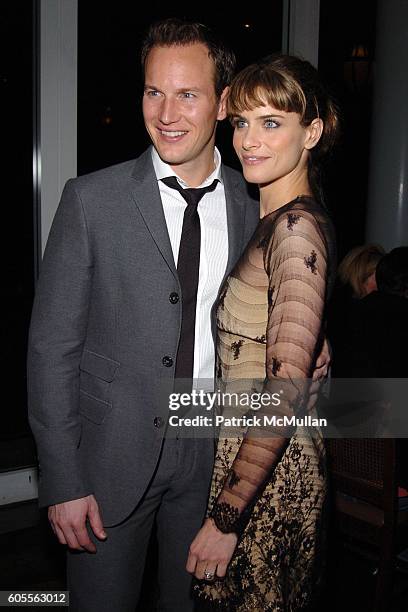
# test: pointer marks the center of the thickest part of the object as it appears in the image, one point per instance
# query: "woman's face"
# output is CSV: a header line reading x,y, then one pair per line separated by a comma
x,y
272,144
369,285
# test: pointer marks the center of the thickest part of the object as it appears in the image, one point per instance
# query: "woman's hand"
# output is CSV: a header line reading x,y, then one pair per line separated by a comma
x,y
211,552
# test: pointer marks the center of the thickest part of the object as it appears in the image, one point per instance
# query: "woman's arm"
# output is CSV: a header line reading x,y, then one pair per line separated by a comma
x,y
296,263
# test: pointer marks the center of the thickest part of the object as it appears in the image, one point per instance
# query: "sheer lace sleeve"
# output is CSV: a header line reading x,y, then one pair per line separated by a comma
x,y
296,264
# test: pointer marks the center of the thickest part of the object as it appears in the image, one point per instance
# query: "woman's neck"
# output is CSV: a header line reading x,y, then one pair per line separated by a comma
x,y
280,192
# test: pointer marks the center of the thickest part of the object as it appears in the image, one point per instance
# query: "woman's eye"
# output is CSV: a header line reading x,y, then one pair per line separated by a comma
x,y
270,123
239,123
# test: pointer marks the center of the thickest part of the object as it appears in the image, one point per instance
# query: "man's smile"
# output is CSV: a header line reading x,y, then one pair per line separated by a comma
x,y
171,134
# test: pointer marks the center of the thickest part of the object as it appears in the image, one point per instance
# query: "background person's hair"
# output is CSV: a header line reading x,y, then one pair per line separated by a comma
x,y
289,84
358,265
177,32
392,272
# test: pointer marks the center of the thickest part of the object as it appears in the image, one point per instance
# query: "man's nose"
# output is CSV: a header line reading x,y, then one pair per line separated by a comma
x,y
168,111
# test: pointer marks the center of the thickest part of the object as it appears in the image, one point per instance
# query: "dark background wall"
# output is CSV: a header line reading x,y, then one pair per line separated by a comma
x,y
17,213
344,26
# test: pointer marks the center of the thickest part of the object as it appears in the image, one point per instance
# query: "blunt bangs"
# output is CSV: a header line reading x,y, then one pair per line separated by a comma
x,y
259,85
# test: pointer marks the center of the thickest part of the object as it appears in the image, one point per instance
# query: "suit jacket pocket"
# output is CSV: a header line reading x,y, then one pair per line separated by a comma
x,y
98,365
96,377
93,408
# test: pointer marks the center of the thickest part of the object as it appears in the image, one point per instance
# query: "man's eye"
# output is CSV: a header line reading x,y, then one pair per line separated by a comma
x,y
187,94
152,93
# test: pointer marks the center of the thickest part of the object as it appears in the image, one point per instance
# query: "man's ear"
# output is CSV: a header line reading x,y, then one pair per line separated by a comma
x,y
222,105
313,133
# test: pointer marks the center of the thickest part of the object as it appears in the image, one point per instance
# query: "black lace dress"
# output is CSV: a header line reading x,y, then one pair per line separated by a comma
x,y
271,488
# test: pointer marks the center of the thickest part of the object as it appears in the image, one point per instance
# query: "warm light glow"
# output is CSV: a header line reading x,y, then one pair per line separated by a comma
x,y
357,69
107,116
360,51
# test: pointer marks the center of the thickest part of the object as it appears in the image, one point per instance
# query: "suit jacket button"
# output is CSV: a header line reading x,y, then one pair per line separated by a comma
x,y
174,297
158,422
167,361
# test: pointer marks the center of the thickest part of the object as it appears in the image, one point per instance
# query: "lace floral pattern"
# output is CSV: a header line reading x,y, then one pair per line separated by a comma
x,y
311,262
236,348
276,565
292,220
225,517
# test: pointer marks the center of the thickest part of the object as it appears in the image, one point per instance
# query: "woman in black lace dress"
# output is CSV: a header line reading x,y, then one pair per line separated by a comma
x,y
264,527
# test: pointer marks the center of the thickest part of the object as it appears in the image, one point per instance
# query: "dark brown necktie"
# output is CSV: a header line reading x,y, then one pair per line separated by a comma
x,y
188,266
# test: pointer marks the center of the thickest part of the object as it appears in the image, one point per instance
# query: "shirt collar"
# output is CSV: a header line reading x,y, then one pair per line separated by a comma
x,y
162,169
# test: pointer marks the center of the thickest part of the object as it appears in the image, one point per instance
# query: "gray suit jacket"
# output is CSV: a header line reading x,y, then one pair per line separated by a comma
x,y
102,322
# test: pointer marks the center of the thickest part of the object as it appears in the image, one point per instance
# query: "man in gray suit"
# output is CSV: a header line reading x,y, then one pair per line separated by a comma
x,y
107,326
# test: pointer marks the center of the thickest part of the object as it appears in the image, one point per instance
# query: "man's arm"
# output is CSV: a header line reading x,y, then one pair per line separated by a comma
x,y
57,334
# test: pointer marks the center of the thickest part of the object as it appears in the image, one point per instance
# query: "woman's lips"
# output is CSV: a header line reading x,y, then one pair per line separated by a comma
x,y
253,160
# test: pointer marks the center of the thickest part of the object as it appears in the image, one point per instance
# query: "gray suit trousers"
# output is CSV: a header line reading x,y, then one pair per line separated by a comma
x,y
176,498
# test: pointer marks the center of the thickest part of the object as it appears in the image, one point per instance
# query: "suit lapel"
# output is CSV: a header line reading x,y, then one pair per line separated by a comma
x,y
235,218
235,202
146,194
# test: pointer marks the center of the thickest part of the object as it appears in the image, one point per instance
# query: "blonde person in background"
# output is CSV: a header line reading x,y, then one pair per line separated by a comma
x,y
355,280
357,269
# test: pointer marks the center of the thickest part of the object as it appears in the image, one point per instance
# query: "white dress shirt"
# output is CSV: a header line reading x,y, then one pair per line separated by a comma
x,y
213,252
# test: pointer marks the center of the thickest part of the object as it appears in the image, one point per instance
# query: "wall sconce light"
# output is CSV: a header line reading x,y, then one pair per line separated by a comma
x,y
357,69
106,118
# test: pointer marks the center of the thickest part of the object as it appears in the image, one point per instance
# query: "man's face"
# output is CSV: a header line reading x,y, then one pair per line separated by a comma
x,y
180,108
